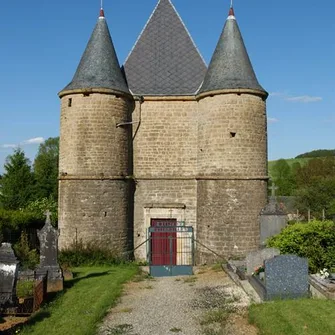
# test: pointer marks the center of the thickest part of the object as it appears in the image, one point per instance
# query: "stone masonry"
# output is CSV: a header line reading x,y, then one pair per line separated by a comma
x,y
94,161
165,138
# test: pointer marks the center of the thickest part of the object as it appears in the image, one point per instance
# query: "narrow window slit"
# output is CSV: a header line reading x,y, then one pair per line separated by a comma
x,y
232,134
69,103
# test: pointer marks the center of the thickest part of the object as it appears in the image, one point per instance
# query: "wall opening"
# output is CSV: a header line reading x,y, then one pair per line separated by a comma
x,y
69,102
232,134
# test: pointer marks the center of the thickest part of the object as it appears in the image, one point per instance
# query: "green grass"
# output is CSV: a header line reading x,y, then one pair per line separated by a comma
x,y
83,304
294,317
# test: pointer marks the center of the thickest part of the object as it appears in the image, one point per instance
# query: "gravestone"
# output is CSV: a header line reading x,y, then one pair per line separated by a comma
x,y
257,258
8,274
321,287
48,237
272,218
286,277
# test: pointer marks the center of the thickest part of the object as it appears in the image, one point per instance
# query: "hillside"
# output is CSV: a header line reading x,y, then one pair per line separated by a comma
x,y
304,158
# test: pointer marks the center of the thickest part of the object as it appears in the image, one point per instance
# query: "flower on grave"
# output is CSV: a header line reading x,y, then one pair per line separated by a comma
x,y
258,270
324,274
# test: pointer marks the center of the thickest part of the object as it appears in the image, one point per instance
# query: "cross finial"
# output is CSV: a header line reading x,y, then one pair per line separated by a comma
x,y
102,13
48,215
273,189
231,10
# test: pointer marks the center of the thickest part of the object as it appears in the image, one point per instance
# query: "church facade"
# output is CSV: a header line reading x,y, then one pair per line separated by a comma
x,y
164,137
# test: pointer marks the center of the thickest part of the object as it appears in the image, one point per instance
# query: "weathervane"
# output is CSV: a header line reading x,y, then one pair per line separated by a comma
x,y
231,3
102,4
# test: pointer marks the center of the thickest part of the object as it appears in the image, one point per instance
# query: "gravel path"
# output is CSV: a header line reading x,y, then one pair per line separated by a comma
x,y
173,305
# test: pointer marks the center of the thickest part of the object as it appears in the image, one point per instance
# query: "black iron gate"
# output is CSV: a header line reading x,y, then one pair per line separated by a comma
x,y
170,250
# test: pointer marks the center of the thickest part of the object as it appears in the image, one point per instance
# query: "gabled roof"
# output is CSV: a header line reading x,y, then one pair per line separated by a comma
x,y
230,67
164,60
99,66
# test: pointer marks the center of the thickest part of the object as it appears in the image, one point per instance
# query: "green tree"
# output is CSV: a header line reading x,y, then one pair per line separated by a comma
x,y
283,178
316,186
17,183
46,169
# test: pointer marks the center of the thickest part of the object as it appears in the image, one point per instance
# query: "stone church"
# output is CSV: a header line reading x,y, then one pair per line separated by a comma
x,y
163,137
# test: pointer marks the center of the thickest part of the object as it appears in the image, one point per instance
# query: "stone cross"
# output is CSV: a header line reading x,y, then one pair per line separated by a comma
x,y
48,215
273,189
48,237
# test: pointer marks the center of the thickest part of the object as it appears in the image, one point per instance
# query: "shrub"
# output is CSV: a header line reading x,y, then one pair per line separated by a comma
x,y
314,240
89,254
28,257
18,220
40,206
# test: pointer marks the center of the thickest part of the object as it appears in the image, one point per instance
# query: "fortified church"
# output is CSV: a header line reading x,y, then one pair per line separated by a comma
x,y
163,139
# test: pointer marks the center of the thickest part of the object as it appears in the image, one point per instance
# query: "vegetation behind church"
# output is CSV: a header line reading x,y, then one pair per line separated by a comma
x,y
27,191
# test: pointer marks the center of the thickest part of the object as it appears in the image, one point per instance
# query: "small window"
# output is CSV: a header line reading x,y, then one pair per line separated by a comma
x,y
69,102
232,134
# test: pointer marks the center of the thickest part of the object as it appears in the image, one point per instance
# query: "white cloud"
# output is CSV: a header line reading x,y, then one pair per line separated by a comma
x,y
35,140
277,94
272,120
300,98
304,99
9,146
30,141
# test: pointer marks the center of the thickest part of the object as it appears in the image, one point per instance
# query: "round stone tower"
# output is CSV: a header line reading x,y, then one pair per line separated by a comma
x,y
95,149
232,150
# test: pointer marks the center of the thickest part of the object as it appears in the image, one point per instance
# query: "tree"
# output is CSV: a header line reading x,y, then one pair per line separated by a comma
x,y
46,169
283,178
316,186
17,183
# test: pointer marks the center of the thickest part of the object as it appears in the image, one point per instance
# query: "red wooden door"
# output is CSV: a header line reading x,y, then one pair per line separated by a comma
x,y
164,242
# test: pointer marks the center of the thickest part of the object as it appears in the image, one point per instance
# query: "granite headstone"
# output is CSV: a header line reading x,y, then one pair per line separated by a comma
x,y
257,258
286,277
8,274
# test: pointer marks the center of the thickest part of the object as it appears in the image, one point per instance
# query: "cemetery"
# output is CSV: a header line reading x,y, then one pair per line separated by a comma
x,y
160,181
22,292
274,275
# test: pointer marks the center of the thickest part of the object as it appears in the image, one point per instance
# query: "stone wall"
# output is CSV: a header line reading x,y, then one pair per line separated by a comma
x,y
94,211
232,173
166,142
94,198
232,136
162,199
165,161
228,217
90,143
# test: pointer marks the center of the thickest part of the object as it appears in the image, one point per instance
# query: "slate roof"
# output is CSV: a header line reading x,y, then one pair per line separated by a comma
x,y
230,67
99,66
164,60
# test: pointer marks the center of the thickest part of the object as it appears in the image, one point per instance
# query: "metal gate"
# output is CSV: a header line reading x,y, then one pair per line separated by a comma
x,y
170,250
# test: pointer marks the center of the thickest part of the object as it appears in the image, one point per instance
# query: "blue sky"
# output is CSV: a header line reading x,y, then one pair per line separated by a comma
x,y
290,43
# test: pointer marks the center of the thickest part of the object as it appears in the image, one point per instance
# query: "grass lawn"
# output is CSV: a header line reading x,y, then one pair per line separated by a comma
x,y
294,317
83,304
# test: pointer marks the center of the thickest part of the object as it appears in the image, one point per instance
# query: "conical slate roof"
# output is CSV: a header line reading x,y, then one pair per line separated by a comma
x,y
99,66
230,67
164,60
